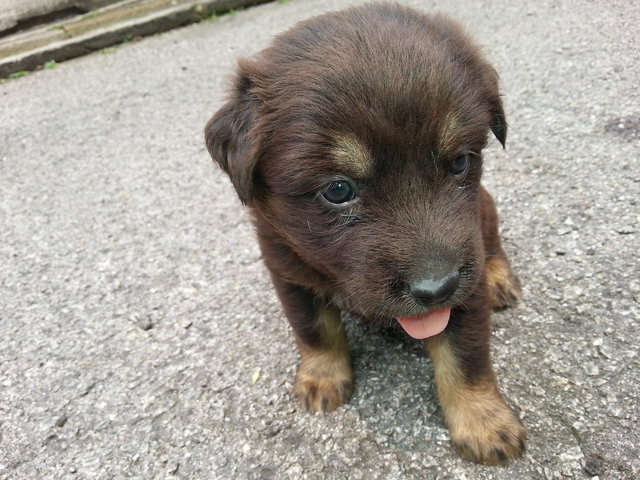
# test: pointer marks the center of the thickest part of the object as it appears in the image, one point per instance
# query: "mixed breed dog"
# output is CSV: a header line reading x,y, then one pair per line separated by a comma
x,y
356,141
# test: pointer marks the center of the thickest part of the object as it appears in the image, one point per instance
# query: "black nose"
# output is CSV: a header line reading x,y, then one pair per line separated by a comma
x,y
429,291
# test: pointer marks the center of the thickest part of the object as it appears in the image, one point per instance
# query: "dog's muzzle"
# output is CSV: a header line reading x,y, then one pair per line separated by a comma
x,y
432,291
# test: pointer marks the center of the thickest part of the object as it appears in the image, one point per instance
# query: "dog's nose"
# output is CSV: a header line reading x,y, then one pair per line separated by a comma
x,y
429,291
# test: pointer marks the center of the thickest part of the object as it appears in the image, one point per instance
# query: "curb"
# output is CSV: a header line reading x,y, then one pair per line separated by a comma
x,y
104,27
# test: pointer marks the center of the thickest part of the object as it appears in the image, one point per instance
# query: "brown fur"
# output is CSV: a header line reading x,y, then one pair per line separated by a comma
x,y
325,379
482,426
386,100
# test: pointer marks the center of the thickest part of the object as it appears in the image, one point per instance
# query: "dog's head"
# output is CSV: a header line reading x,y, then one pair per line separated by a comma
x,y
356,138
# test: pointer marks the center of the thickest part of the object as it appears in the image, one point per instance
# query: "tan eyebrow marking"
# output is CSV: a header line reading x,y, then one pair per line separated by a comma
x,y
352,155
450,126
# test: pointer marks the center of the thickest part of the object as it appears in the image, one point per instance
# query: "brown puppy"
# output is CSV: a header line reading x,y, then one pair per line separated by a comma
x,y
356,141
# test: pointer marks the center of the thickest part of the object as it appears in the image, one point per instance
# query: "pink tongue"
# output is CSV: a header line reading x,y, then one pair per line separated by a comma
x,y
427,325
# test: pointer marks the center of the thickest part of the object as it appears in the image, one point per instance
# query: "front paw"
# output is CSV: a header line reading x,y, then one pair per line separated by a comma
x,y
486,430
502,284
324,383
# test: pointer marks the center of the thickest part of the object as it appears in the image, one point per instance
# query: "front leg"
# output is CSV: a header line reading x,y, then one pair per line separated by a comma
x,y
482,426
325,378
503,285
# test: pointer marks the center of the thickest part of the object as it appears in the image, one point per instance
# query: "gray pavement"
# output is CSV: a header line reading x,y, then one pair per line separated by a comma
x,y
139,334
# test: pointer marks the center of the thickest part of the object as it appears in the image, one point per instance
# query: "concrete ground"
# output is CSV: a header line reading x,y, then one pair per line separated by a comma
x,y
140,336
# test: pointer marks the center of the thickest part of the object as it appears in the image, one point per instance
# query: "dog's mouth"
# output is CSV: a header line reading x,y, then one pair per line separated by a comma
x,y
427,324
420,317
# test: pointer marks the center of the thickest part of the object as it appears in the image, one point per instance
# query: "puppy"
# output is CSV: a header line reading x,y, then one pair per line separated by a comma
x,y
356,140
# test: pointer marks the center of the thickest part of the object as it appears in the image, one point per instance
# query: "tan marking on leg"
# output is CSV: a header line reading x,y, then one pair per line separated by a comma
x,y
352,155
482,426
502,284
325,378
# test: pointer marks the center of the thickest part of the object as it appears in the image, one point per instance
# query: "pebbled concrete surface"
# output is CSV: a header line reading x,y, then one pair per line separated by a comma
x,y
139,334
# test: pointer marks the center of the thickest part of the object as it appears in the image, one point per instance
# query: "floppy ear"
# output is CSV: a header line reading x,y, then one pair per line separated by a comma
x,y
499,122
229,141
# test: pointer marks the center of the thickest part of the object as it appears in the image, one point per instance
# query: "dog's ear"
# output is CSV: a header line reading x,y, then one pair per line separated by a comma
x,y
498,121
229,140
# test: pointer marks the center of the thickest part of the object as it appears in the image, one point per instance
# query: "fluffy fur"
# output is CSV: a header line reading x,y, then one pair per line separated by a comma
x,y
382,106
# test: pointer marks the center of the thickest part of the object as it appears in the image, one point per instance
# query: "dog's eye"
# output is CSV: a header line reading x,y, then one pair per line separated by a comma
x,y
339,192
460,165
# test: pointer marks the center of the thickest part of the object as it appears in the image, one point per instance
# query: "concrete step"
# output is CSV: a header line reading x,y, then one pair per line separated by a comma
x,y
23,49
